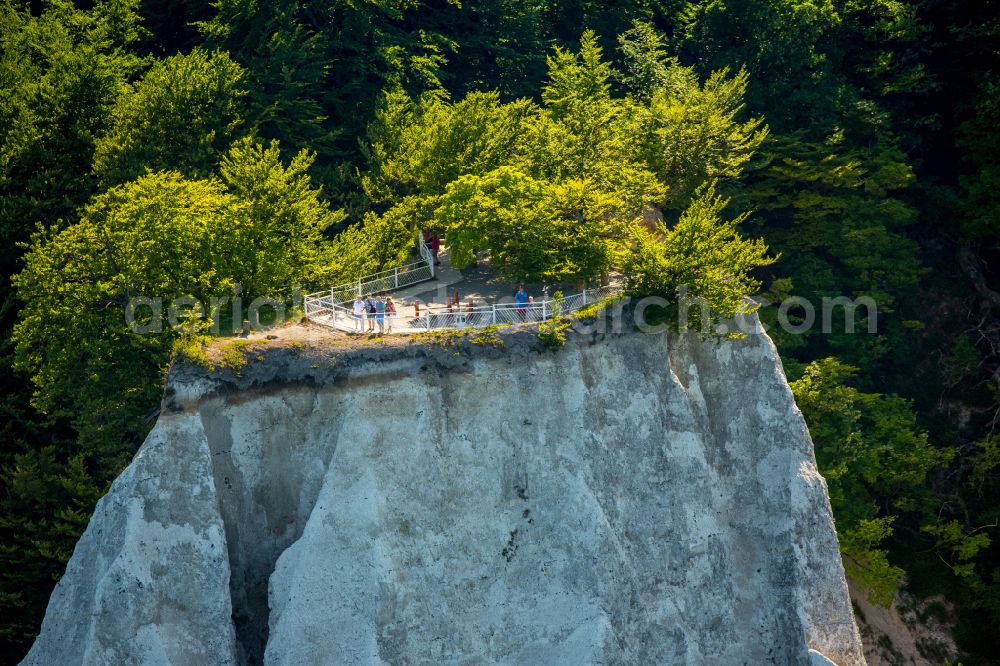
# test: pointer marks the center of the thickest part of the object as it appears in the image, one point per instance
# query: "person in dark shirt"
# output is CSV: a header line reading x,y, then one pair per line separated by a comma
x,y
370,309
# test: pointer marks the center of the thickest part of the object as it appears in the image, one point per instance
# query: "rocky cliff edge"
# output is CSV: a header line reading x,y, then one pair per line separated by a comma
x,y
627,498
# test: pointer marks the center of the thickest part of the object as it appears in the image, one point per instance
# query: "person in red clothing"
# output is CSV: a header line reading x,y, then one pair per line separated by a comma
x,y
390,311
433,244
435,248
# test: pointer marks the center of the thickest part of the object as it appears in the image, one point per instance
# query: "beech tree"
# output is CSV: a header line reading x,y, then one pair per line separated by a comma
x,y
260,228
181,115
551,190
875,460
702,256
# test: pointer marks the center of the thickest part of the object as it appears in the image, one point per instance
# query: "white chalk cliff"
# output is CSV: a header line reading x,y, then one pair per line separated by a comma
x,y
626,499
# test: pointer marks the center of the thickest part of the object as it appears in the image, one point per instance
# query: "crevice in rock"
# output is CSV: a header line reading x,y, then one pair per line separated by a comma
x,y
267,482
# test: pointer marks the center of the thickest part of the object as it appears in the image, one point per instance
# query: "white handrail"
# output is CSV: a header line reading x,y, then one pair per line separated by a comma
x,y
328,306
386,280
442,317
397,274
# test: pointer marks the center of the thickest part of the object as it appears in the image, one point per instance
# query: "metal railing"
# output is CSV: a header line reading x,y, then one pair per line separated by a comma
x,y
320,304
438,317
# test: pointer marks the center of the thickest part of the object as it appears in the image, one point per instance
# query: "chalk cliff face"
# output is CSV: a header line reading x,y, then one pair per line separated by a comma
x,y
626,499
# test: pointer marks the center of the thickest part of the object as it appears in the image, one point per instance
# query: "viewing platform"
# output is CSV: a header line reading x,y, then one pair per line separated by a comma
x,y
429,296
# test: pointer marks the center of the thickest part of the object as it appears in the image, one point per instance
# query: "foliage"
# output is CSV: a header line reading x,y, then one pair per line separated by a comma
x,y
61,71
688,132
552,333
50,494
495,122
866,561
874,458
551,191
420,148
979,143
195,348
377,242
181,115
961,547
820,201
782,45
535,231
646,63
319,69
702,257
159,236
286,218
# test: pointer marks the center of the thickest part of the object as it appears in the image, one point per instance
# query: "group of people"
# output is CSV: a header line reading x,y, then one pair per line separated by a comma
x,y
373,311
377,311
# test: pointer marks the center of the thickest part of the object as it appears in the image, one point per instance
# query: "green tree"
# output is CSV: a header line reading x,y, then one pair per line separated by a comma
x,y
690,133
536,231
378,242
978,142
61,72
159,236
282,241
835,213
319,69
285,57
702,256
181,115
782,44
646,63
876,462
418,148
552,191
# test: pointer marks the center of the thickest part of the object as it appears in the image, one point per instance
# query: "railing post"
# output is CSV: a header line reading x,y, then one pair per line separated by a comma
x,y
494,318
427,317
359,288
395,276
544,316
584,295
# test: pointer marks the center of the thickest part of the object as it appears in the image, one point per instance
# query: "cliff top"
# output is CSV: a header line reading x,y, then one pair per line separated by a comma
x,y
304,351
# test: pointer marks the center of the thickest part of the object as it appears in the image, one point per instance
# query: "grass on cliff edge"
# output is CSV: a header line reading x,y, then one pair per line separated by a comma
x,y
450,340
214,353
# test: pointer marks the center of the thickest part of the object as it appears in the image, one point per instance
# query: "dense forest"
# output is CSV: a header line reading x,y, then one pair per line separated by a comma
x,y
195,148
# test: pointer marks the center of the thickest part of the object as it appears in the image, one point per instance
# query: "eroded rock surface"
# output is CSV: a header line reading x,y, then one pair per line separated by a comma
x,y
627,499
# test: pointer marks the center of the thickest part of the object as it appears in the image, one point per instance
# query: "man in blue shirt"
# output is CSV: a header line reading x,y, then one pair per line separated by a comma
x,y
521,300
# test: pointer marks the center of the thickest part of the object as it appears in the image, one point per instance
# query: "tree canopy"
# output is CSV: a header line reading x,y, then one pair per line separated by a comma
x,y
552,190
671,141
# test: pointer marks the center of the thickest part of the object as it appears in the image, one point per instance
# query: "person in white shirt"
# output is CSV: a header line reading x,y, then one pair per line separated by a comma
x,y
359,315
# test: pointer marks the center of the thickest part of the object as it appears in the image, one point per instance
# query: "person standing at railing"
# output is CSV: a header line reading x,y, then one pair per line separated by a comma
x,y
370,312
359,315
521,300
380,314
534,310
390,312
